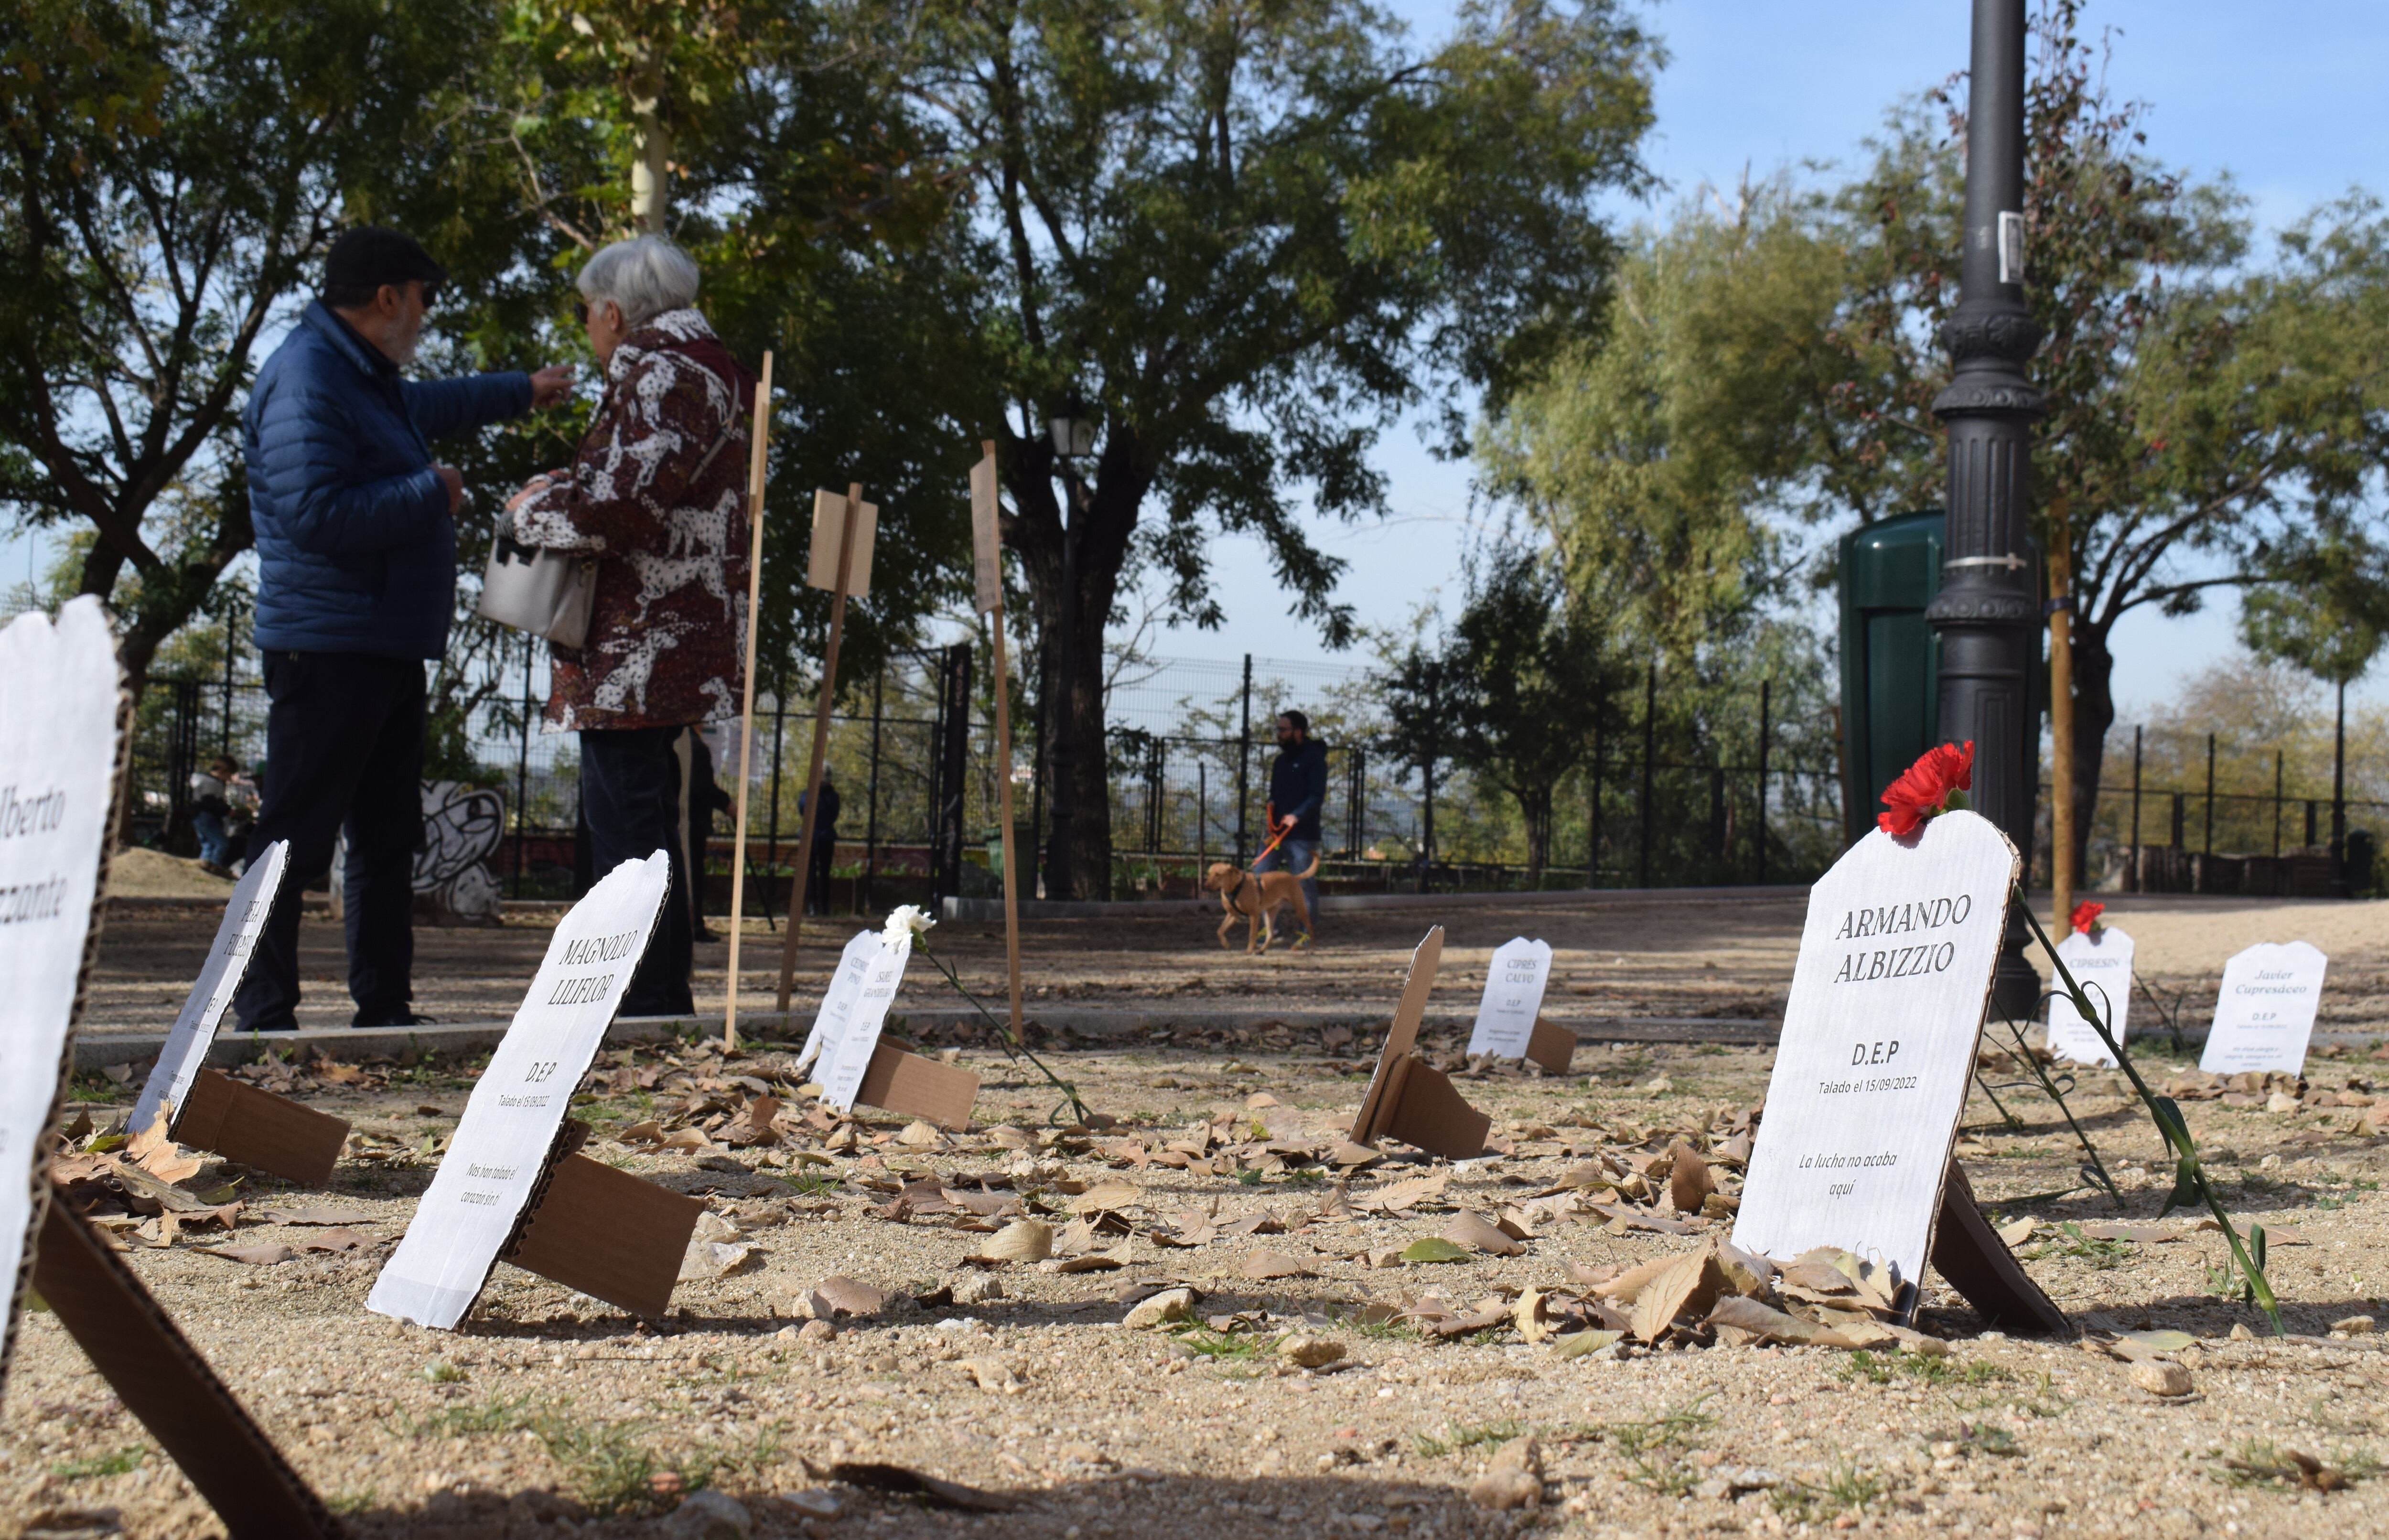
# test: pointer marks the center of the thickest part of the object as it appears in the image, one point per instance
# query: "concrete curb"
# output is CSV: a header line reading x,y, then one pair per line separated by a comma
x,y
986,909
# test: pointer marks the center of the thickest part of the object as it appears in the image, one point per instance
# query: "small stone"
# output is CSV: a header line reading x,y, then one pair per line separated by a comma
x,y
2159,1377
814,1502
708,1516
993,1375
2239,1333
2280,1101
2353,1325
1507,1488
977,1289
1310,1353
816,1331
1520,1454
1171,1304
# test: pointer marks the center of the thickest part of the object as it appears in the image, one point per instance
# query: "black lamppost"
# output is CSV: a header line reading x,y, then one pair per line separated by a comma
x,y
1987,615
1074,439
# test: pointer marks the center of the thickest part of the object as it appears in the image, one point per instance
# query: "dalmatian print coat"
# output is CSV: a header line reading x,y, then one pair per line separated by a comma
x,y
658,496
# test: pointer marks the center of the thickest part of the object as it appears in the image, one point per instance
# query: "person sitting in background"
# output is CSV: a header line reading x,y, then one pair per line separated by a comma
x,y
656,495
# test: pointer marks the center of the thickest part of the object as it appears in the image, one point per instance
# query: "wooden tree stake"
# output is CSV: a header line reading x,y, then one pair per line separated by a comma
x,y
828,698
989,561
755,471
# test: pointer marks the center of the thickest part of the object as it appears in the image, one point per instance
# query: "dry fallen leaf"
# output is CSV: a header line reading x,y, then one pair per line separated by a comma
x,y
265,1255
1688,1285
1022,1240
337,1239
1479,1235
1263,1264
1689,1184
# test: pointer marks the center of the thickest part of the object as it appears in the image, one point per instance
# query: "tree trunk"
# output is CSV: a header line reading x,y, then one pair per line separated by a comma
x,y
1534,807
2094,713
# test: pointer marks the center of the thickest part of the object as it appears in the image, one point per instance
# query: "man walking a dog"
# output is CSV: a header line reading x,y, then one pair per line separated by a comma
x,y
1297,795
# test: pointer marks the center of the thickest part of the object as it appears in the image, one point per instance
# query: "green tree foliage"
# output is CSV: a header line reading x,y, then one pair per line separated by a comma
x,y
1536,677
1249,235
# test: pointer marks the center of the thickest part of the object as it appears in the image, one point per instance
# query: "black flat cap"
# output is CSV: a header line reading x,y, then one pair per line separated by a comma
x,y
364,258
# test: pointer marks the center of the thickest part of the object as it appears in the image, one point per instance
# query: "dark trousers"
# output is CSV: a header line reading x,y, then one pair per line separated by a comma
x,y
817,880
343,751
630,792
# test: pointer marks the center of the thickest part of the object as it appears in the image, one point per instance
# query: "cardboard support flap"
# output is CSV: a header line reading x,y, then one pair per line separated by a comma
x,y
901,1082
1429,1112
258,1128
608,1233
1977,1263
162,1380
1551,1047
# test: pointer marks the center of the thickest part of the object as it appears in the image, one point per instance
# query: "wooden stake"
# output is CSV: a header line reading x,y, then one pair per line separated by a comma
x,y
2060,714
755,462
1002,738
820,740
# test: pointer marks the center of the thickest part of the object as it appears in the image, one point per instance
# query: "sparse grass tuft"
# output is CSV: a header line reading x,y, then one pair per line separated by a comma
x,y
2100,1255
1882,1368
497,1415
114,1464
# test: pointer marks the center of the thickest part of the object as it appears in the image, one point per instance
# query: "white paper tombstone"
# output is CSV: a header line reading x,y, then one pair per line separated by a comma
x,y
60,699
2266,1010
2101,962
510,1125
186,1052
1513,995
1878,1047
853,1011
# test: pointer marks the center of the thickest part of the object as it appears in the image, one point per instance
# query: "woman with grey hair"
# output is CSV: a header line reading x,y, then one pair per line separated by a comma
x,y
656,495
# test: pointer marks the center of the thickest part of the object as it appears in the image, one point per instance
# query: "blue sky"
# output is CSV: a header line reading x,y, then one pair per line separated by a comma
x,y
2285,99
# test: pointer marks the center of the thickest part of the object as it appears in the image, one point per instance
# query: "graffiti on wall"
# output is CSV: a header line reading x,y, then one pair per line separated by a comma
x,y
461,825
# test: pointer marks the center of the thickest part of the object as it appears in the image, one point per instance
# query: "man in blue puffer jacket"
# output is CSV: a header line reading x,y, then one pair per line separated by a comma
x,y
356,546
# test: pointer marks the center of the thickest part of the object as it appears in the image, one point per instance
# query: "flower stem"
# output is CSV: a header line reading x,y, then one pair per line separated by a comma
x,y
2191,1184
1010,1043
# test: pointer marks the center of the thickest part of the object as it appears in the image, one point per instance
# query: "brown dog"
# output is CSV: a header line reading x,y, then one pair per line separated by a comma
x,y
1256,896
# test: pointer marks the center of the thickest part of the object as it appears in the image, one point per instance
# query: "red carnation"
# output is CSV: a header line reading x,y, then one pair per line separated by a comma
x,y
1925,788
2085,916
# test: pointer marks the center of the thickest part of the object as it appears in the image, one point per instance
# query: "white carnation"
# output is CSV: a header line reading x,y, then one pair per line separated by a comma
x,y
905,922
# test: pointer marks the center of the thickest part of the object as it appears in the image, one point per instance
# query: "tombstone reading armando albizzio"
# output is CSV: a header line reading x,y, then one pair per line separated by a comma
x,y
61,736
510,1185
1880,1034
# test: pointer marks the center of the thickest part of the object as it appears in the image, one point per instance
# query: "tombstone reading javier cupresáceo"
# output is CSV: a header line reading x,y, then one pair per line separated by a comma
x,y
509,1129
1879,1039
60,695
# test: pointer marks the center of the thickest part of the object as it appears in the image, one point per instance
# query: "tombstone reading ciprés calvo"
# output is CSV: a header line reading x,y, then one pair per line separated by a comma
x,y
1879,1041
62,712
2100,961
512,1130
1514,981
2264,1012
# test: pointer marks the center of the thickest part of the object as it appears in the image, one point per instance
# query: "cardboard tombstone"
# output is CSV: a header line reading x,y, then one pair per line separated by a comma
x,y
210,1110
1879,1033
2100,961
61,705
821,567
512,1185
847,1057
2264,1012
1408,1098
1509,1019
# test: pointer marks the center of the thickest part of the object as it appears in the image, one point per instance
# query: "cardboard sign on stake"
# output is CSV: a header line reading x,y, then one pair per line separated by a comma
x,y
208,1111
1514,981
987,557
2265,1011
1408,1098
839,530
1879,1033
829,520
2103,959
513,1130
62,716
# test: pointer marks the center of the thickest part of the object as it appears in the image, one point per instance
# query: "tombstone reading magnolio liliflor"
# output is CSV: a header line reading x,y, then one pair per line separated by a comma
x,y
210,1110
1509,1019
2100,960
1879,1041
511,1185
61,717
2264,1012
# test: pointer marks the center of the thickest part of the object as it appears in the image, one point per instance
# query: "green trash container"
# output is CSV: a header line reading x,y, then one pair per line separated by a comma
x,y
1891,661
1891,674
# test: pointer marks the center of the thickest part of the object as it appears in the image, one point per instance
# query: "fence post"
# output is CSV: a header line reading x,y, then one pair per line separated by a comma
x,y
2311,806
1202,820
871,815
772,838
522,764
231,641
2207,848
953,766
1765,725
1032,888
1243,757
1650,738
2277,804
1592,835
2136,809
1356,800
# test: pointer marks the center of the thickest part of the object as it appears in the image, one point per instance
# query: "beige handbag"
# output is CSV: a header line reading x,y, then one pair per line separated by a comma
x,y
546,593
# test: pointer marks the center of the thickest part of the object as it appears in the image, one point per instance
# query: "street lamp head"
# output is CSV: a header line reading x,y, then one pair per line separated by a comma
x,y
1073,430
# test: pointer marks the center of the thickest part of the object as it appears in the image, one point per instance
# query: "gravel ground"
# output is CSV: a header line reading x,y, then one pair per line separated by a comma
x,y
552,1413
